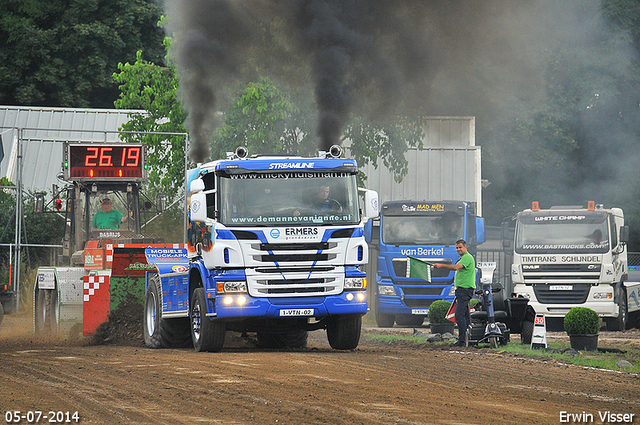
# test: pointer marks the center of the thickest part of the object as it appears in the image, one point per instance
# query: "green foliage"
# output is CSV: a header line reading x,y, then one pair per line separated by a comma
x,y
63,53
388,141
581,321
438,311
37,228
258,120
595,359
153,89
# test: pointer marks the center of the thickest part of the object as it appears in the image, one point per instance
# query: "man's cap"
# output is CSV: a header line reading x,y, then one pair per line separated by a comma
x,y
106,200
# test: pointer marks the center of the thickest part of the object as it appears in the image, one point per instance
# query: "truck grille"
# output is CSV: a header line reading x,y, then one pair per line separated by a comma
x,y
577,295
294,253
295,258
424,290
560,272
275,285
304,268
304,280
418,303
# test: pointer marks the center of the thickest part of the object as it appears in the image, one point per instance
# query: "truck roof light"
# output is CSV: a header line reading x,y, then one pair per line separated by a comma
x,y
591,205
535,206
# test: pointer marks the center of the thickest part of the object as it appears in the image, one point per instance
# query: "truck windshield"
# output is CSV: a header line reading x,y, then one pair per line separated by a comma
x,y
554,234
421,229
272,199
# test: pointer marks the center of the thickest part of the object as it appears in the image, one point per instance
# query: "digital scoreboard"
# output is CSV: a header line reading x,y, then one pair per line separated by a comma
x,y
105,162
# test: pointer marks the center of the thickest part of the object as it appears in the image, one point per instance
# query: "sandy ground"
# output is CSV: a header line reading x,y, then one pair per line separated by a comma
x,y
124,382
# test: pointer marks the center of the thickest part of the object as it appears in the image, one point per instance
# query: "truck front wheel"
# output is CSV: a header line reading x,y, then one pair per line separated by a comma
x,y
159,332
385,320
343,332
619,323
409,320
206,334
526,335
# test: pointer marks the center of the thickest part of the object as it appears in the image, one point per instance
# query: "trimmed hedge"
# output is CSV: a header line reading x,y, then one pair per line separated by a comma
x,y
438,310
581,321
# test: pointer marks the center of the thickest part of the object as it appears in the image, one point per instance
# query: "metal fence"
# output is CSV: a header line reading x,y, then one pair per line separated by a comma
x,y
633,259
503,259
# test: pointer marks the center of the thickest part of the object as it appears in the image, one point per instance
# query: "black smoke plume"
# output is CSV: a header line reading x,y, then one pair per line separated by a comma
x,y
351,43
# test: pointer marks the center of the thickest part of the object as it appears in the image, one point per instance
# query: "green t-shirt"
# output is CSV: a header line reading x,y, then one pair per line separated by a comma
x,y
466,276
107,220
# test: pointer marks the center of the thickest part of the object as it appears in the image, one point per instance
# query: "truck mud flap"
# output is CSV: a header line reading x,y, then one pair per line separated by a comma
x,y
172,266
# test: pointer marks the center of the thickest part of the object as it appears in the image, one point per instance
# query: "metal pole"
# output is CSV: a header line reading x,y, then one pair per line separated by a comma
x,y
186,187
16,275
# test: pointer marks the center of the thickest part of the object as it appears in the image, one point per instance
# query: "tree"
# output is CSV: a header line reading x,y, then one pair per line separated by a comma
x,y
63,53
386,141
578,142
38,228
260,120
153,88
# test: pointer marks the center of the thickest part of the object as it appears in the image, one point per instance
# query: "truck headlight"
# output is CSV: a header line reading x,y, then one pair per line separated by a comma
x,y
386,290
452,291
355,283
602,296
522,295
237,286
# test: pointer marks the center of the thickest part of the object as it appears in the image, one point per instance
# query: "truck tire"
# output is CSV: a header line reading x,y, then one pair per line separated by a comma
x,y
619,323
160,332
343,332
385,320
293,339
526,335
206,334
409,320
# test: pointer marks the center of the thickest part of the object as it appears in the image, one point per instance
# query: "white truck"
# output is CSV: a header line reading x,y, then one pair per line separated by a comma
x,y
570,256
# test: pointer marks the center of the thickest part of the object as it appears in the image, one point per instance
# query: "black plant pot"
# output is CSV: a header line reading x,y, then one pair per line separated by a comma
x,y
442,328
584,342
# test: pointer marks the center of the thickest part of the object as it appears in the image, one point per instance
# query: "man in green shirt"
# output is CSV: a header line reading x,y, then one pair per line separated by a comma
x,y
108,218
465,282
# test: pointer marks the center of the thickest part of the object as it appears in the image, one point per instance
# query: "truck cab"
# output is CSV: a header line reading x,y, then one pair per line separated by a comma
x,y
570,256
427,230
275,246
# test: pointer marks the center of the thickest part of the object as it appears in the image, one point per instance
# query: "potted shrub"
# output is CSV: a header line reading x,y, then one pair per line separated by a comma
x,y
437,317
582,325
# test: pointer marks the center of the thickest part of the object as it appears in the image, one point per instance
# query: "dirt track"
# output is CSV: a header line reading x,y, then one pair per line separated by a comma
x,y
375,384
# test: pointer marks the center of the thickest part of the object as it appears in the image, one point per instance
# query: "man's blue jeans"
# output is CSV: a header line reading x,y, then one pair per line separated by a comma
x,y
463,318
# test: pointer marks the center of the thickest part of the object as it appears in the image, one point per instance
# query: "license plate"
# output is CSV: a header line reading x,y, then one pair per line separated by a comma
x,y
560,287
297,312
420,311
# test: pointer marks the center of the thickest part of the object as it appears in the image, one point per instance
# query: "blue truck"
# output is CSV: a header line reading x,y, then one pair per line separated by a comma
x,y
426,230
275,246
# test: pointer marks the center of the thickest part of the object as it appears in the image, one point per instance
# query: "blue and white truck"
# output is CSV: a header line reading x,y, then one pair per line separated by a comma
x,y
426,230
265,254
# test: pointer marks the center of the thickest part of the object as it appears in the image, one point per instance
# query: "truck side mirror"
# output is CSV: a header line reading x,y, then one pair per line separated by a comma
x,y
370,203
504,230
624,234
198,201
368,230
480,237
196,186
